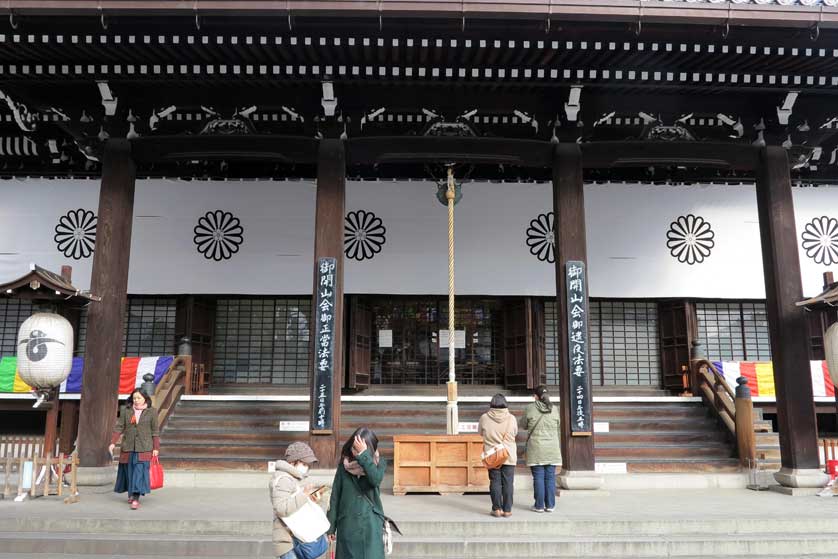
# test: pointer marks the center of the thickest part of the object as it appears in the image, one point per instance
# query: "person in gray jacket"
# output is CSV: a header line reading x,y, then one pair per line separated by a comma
x,y
541,420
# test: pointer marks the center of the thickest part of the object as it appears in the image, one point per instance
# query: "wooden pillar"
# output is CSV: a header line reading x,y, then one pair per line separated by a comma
x,y
569,207
109,280
328,243
786,321
69,424
51,427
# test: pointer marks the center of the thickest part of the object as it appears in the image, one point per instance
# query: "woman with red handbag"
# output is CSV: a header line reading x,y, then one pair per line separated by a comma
x,y
498,428
137,427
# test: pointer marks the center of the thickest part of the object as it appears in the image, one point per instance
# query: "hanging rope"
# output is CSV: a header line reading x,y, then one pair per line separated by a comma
x,y
452,414
449,195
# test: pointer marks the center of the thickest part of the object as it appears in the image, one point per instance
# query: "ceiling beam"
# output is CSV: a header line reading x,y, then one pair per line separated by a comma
x,y
652,11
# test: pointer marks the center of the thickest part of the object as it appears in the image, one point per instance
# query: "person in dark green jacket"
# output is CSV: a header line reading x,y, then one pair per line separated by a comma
x,y
356,515
541,419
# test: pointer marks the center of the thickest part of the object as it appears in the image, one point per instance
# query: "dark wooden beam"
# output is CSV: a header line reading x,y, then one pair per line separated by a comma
x,y
282,149
719,155
786,321
569,208
328,242
436,149
104,322
558,10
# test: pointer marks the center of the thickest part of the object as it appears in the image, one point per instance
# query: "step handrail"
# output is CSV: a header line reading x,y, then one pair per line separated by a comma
x,y
734,409
713,388
171,388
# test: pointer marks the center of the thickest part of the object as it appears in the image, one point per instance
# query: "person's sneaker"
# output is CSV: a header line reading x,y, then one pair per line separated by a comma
x,y
497,513
135,505
535,509
549,510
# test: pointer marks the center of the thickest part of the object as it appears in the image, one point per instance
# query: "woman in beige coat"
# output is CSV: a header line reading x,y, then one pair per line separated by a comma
x,y
288,494
499,426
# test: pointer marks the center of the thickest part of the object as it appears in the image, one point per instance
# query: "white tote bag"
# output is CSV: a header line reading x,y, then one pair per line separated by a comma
x,y
308,523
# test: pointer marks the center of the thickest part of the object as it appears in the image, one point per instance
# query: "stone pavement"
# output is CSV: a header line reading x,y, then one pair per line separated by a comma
x,y
253,505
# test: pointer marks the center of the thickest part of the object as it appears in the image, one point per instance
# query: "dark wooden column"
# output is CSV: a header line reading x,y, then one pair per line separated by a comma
x,y
328,242
103,349
786,321
569,207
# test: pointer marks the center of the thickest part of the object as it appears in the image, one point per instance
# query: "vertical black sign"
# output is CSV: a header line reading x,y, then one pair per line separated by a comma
x,y
578,351
324,345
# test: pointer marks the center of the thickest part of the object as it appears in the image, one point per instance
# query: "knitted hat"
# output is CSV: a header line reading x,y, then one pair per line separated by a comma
x,y
300,452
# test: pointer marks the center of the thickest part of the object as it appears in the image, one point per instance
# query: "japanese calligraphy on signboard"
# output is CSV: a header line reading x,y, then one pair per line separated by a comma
x,y
324,346
578,351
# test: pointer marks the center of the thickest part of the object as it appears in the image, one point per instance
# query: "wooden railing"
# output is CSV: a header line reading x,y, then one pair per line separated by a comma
x,y
716,393
173,385
735,411
197,380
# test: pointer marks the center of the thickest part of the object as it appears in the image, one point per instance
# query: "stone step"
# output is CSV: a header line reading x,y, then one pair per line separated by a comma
x,y
547,545
86,556
521,524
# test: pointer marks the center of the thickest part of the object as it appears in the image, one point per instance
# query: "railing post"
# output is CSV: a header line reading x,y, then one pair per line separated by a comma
x,y
696,354
745,436
187,374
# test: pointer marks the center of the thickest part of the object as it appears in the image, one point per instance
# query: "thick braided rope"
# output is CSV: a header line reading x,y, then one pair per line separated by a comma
x,y
450,197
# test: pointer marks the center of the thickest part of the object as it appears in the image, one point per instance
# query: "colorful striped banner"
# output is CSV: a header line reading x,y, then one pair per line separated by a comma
x,y
131,373
760,375
10,380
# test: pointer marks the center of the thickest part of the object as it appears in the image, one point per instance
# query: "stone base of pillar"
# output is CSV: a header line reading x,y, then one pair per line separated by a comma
x,y
96,476
790,477
579,479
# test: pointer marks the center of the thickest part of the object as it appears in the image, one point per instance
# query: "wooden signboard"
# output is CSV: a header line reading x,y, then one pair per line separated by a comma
x,y
579,352
445,464
324,347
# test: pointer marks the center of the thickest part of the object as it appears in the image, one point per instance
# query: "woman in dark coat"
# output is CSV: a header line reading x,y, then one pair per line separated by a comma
x,y
137,427
355,512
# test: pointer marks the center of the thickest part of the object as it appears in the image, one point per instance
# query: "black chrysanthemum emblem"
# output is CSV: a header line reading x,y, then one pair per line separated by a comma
x,y
690,239
363,235
541,237
75,234
218,235
820,240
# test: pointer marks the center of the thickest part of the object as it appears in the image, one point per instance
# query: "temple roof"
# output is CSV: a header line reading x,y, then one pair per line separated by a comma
x,y
40,283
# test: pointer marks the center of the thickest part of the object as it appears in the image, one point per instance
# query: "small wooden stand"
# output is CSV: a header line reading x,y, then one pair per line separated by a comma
x,y
52,482
445,464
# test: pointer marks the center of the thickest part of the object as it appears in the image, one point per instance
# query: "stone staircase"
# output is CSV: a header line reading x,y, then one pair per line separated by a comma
x,y
768,537
646,436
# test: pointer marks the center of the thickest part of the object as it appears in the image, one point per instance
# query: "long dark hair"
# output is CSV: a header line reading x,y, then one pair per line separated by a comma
x,y
541,393
141,393
369,438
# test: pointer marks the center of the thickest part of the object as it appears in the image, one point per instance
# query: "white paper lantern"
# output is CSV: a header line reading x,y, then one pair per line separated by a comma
x,y
830,345
45,350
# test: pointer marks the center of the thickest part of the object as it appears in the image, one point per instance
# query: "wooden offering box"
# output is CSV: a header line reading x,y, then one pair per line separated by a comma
x,y
438,464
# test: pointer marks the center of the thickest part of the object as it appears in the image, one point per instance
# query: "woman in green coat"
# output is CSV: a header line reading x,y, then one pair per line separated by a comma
x,y
355,512
541,420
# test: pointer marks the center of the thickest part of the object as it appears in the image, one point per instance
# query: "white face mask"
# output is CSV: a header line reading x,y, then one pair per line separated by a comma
x,y
302,468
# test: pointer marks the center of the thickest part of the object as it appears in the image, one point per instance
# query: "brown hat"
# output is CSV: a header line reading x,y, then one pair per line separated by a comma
x,y
300,452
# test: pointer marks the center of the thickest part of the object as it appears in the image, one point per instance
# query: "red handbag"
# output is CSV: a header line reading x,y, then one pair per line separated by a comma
x,y
155,474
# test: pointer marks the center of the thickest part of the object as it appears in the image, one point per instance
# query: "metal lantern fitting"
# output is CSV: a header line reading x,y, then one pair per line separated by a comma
x,y
442,192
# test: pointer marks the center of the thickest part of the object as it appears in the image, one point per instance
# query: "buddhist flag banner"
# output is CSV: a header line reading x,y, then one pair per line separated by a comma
x,y
131,374
10,380
760,375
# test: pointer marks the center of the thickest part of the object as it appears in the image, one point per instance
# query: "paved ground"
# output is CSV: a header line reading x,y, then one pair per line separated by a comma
x,y
253,505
